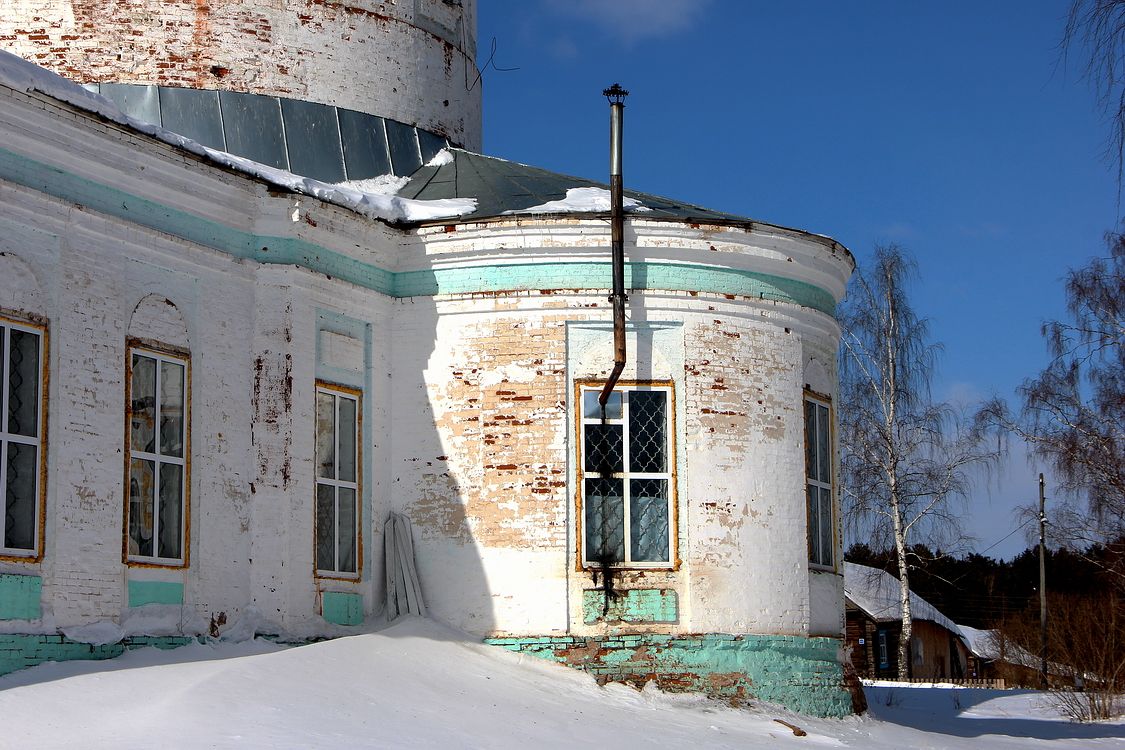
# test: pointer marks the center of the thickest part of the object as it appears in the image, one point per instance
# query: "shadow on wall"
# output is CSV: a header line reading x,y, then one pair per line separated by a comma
x,y
437,446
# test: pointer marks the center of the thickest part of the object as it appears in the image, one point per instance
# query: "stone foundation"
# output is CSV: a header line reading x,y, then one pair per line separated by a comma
x,y
803,674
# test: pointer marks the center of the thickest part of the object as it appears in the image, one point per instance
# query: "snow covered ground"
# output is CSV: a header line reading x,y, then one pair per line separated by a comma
x,y
420,685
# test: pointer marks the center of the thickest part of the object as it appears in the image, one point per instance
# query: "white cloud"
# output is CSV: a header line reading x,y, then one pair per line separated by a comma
x,y
633,20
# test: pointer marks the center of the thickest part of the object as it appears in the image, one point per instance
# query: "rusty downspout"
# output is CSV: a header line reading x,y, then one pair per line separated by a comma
x,y
616,96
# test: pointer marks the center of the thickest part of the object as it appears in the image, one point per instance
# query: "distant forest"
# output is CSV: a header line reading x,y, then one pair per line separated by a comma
x,y
981,592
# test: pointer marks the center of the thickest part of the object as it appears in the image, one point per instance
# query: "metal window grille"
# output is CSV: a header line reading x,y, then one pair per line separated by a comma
x,y
627,477
156,514
818,481
21,450
337,482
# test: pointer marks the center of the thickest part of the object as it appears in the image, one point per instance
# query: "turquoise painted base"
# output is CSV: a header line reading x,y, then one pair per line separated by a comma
x,y
19,597
342,608
23,651
803,674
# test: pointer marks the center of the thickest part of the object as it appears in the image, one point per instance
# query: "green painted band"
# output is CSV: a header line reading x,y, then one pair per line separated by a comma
x,y
20,597
22,651
804,674
268,249
155,592
342,608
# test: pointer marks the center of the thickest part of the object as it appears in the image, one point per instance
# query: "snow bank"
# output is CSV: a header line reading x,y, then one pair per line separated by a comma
x,y
582,200
22,75
421,685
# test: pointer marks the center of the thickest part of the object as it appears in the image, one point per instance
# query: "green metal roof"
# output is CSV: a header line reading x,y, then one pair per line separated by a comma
x,y
502,186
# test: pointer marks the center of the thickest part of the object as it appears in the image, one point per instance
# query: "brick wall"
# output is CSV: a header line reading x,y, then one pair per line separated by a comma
x,y
404,61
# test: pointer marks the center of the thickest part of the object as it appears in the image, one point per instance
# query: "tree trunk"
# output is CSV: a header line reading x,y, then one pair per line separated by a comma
x,y
904,671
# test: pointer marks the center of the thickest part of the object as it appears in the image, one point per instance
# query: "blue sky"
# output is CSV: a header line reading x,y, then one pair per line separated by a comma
x,y
955,129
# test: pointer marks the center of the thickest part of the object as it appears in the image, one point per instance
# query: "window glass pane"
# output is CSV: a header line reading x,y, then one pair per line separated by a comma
x,y
647,427
325,435
194,113
405,157
325,527
137,101
141,512
171,410
648,520
430,143
347,439
23,383
3,365
605,520
171,511
365,145
592,408
822,444
20,502
603,448
312,138
142,410
347,530
810,440
826,545
252,124
814,522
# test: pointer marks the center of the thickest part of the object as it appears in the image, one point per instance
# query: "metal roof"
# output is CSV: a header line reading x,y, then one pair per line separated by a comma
x,y
877,593
502,186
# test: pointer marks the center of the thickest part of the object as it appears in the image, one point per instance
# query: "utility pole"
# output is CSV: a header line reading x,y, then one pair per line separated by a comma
x,y
1042,587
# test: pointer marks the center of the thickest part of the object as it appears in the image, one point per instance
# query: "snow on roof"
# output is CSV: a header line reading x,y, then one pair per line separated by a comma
x,y
21,75
876,592
987,644
582,199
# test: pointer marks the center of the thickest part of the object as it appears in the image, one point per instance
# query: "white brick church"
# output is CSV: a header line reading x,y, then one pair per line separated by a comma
x,y
248,312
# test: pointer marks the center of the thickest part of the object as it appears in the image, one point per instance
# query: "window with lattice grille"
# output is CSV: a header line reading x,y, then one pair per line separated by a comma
x,y
818,480
627,476
22,376
337,481
157,442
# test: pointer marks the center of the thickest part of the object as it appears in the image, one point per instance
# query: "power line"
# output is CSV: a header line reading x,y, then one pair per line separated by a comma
x,y
1013,531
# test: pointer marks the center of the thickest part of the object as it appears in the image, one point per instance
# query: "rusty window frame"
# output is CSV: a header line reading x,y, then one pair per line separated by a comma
x,y
624,387
158,354
820,434
39,441
339,393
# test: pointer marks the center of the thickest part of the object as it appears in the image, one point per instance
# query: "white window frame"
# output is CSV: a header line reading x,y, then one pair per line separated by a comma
x,y
811,479
158,458
338,393
624,388
6,438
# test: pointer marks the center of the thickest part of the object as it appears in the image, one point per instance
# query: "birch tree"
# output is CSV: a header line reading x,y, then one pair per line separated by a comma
x,y
905,458
1073,412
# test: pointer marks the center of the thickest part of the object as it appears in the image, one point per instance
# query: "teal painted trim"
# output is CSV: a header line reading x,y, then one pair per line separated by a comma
x,y
650,275
261,248
155,592
634,605
342,608
20,597
23,651
803,674
293,251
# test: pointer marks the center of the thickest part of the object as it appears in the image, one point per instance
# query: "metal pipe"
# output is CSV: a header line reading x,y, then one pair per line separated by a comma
x,y
616,96
1043,680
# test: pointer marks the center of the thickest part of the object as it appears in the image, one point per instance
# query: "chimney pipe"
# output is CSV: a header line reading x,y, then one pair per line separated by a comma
x,y
616,96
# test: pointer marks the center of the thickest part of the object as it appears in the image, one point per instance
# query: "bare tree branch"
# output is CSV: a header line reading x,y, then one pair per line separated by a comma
x,y
905,458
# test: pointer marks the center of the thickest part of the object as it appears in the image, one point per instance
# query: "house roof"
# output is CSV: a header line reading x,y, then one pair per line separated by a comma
x,y
876,592
457,185
507,187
